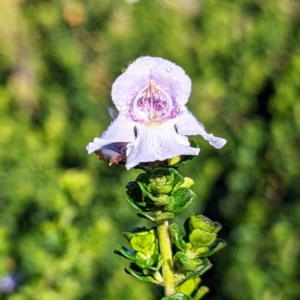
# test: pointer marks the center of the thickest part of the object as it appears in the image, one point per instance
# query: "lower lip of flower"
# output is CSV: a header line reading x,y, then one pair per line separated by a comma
x,y
152,104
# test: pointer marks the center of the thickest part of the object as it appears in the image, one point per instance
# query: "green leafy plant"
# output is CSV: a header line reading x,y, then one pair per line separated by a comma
x,y
161,255
151,133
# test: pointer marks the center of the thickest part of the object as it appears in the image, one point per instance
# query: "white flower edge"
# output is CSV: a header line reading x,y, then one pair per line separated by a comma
x,y
154,141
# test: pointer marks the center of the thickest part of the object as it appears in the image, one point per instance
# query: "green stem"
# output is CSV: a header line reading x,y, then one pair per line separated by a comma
x,y
166,253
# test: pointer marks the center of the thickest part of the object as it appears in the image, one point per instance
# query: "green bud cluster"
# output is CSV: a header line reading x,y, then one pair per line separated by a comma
x,y
162,191
158,195
192,249
144,256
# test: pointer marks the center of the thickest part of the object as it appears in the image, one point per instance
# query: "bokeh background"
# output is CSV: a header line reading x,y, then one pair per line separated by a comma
x,y
62,212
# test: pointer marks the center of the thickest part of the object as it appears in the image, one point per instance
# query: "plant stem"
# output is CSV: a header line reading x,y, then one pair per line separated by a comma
x,y
166,253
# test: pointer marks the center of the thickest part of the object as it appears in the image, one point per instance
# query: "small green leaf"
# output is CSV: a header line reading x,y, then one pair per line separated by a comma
x,y
201,269
218,245
177,296
143,178
143,241
183,263
189,286
188,182
162,200
175,236
153,264
181,199
178,180
201,292
159,218
202,222
135,272
161,181
134,197
127,253
201,238
173,161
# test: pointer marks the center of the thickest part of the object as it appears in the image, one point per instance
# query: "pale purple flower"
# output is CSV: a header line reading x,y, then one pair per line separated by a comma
x,y
153,122
10,282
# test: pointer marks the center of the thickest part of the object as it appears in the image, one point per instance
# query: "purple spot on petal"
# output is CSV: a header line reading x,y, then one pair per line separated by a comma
x,y
153,104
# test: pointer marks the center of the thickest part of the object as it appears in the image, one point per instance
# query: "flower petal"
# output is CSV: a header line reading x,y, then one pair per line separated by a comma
x,y
120,131
157,141
169,76
187,125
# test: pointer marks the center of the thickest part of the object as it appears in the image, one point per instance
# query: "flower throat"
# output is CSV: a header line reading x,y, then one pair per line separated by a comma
x,y
152,104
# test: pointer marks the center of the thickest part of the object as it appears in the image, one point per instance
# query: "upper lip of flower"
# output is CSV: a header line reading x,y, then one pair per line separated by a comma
x,y
153,122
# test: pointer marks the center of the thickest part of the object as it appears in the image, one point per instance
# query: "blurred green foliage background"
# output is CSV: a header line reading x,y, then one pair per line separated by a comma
x,y
62,212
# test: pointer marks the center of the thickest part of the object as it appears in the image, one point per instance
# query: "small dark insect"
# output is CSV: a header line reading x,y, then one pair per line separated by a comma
x,y
176,128
135,131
